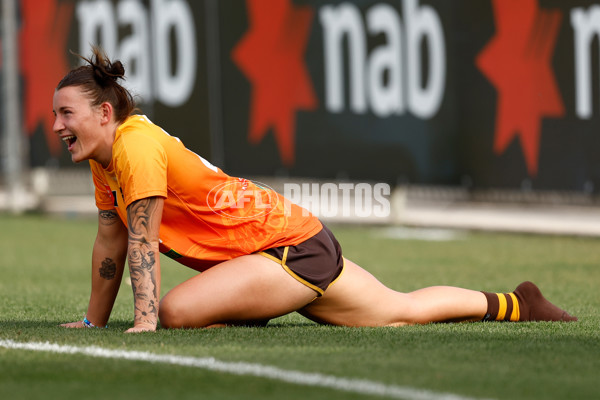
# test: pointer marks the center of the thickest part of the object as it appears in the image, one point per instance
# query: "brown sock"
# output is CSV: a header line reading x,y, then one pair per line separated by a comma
x,y
526,303
502,307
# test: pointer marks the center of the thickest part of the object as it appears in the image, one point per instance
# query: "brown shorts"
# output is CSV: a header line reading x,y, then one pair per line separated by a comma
x,y
317,262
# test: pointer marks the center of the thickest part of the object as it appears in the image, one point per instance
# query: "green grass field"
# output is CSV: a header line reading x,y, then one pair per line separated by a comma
x,y
44,267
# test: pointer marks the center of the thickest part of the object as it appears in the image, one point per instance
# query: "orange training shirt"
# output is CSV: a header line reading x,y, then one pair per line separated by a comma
x,y
208,216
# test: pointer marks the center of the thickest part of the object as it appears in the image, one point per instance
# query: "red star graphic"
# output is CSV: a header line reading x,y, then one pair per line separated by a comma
x,y
271,55
43,62
517,61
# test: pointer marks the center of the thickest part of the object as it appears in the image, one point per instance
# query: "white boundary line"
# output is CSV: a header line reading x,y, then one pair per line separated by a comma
x,y
360,386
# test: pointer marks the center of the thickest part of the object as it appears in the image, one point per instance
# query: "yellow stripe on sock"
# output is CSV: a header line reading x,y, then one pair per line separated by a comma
x,y
501,307
516,313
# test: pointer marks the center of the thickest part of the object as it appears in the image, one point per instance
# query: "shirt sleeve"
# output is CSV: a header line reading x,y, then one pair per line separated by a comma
x,y
102,193
140,166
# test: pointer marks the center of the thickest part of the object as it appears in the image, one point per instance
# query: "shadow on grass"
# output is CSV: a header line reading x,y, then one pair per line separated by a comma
x,y
26,325
122,325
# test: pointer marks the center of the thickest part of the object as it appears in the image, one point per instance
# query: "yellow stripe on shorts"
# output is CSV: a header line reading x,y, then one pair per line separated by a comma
x,y
289,271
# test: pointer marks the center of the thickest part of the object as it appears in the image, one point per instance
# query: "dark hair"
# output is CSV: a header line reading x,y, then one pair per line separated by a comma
x,y
99,80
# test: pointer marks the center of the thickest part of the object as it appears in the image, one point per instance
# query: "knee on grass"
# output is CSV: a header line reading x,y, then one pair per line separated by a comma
x,y
172,314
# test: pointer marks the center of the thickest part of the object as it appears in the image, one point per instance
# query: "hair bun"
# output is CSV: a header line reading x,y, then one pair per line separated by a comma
x,y
116,69
105,71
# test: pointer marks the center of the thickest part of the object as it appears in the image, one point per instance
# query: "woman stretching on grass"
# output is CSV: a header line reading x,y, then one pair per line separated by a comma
x,y
260,256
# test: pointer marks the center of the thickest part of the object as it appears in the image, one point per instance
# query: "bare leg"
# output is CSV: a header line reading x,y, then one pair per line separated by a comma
x,y
359,299
247,290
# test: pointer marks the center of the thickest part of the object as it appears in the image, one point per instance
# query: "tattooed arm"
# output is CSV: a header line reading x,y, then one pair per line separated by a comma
x,y
108,262
143,220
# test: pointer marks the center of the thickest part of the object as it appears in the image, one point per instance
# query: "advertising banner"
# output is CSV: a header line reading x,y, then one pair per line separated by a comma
x,y
482,94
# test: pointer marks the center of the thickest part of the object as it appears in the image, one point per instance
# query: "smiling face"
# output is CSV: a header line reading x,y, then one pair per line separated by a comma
x,y
87,130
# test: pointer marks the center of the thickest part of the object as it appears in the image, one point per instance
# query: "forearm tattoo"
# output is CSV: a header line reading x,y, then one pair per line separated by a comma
x,y
108,269
108,217
142,259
